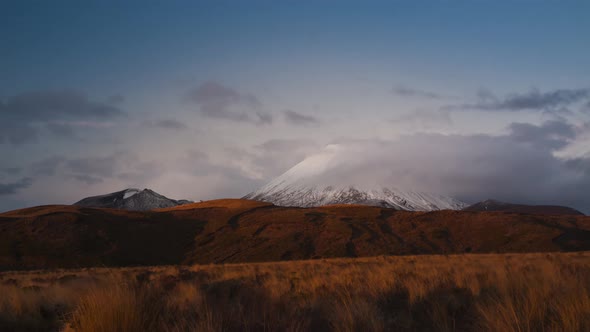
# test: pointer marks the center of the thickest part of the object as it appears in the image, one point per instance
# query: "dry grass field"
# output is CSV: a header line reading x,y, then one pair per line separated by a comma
x,y
470,292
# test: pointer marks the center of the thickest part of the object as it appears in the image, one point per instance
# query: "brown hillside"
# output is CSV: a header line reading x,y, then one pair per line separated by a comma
x,y
493,205
247,231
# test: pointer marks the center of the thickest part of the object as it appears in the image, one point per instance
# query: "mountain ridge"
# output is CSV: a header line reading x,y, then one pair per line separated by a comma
x,y
496,205
131,199
311,183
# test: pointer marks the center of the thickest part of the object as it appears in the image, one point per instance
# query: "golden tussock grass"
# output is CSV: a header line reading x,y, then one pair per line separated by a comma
x,y
512,292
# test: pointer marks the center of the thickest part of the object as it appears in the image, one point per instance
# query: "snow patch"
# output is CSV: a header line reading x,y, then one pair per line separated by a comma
x,y
130,192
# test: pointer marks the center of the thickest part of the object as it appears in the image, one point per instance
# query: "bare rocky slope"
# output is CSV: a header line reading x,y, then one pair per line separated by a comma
x,y
131,199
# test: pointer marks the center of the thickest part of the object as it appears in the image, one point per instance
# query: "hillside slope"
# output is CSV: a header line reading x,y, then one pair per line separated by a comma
x,y
494,205
248,231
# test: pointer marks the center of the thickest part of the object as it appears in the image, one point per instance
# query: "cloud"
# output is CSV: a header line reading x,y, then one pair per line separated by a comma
x,y
219,101
404,91
425,119
551,135
70,129
239,170
263,118
47,166
165,124
61,130
555,101
581,164
275,156
519,166
270,158
49,105
278,145
13,187
24,116
299,119
124,166
116,99
216,178
98,167
88,179
11,170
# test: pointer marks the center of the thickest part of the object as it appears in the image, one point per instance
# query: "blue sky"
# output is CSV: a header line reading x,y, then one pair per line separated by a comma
x,y
242,90
114,45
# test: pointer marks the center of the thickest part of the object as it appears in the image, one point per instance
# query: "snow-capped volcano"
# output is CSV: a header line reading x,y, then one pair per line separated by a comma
x,y
131,199
319,180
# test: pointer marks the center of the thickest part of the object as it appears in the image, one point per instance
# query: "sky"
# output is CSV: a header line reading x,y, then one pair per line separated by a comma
x,y
212,99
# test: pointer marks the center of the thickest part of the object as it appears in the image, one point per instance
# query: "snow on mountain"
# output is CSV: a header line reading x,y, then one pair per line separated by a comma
x,y
317,181
131,199
130,192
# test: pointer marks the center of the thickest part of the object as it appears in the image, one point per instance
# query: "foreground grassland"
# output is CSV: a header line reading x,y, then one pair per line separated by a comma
x,y
483,292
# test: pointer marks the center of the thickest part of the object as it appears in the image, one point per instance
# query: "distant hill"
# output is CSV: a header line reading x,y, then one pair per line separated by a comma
x,y
131,199
223,231
494,205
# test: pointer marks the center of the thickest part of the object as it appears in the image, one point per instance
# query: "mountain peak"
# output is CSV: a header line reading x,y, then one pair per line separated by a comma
x,y
316,182
131,199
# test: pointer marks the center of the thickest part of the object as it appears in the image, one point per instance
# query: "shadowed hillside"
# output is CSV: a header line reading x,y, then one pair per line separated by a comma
x,y
224,231
494,205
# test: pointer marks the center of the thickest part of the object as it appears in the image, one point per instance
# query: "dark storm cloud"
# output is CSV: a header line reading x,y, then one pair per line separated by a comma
x,y
24,116
13,187
551,135
165,124
555,101
296,118
404,91
219,101
535,99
